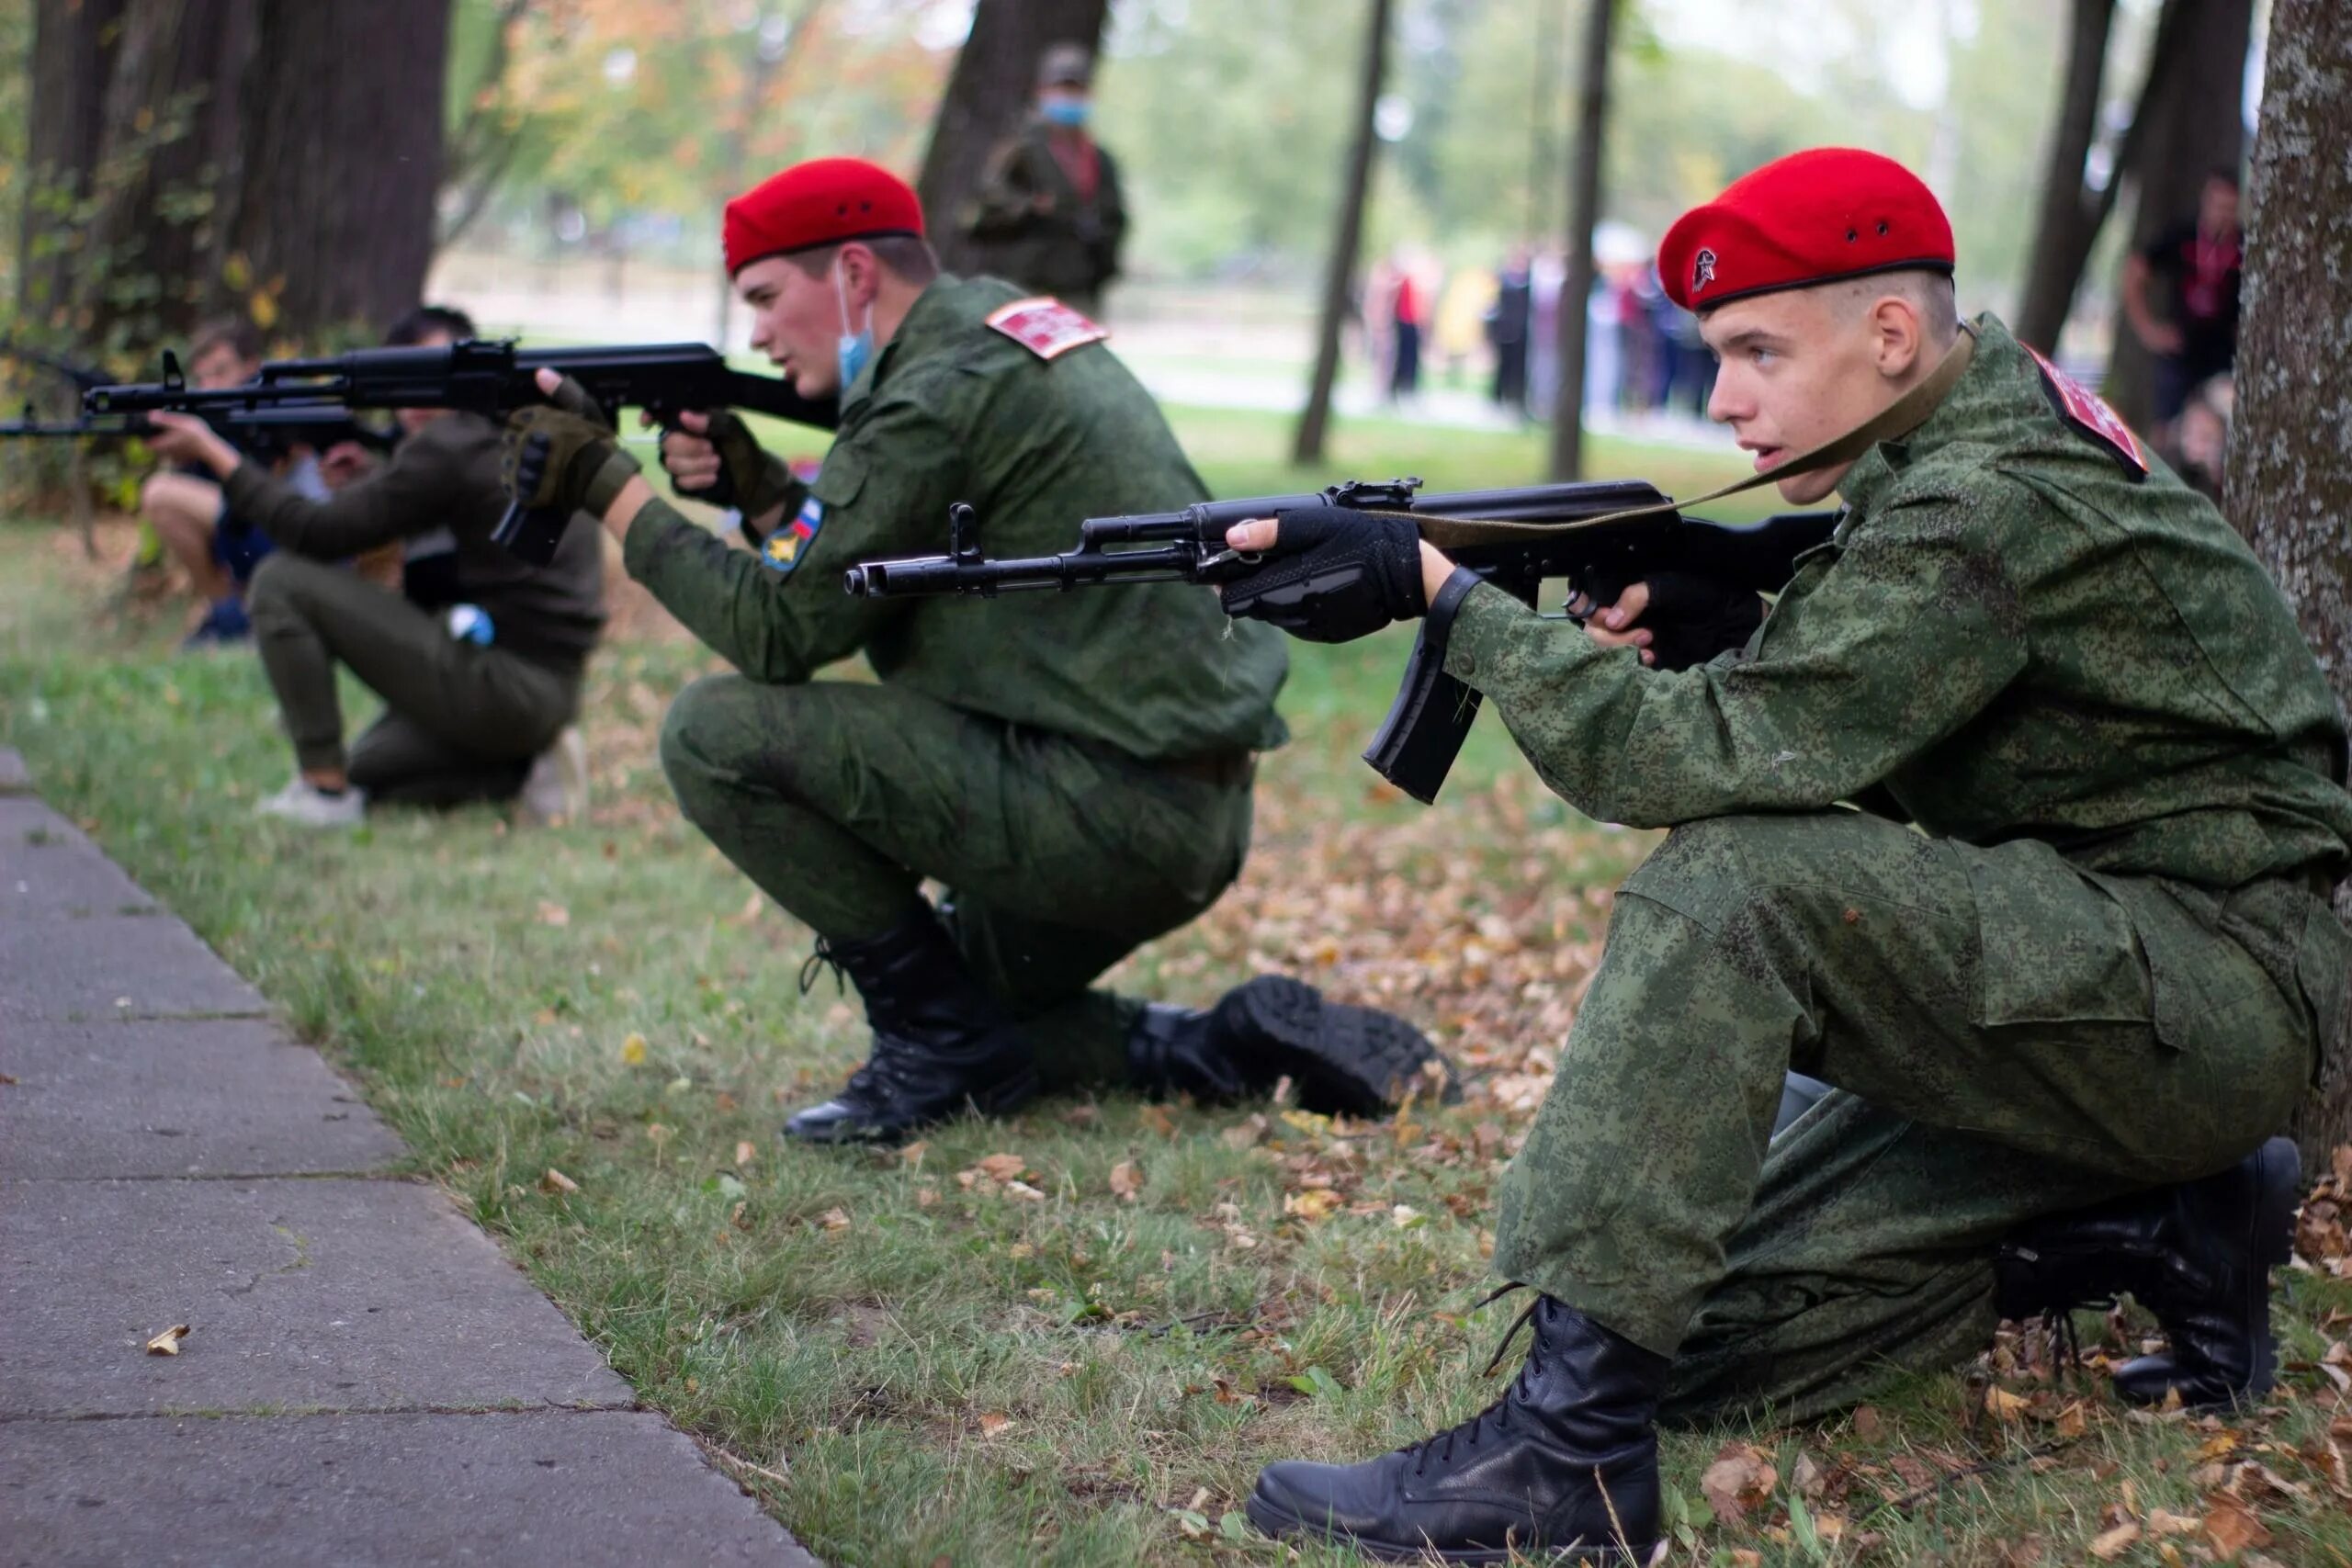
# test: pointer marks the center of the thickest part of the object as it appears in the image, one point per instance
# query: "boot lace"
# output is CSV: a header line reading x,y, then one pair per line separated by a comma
x,y
819,960
1495,1416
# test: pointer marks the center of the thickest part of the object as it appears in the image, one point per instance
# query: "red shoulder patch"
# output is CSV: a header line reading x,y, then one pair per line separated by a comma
x,y
2083,409
1045,327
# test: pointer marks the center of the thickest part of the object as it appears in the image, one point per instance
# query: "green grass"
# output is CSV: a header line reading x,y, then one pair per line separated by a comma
x,y
907,1366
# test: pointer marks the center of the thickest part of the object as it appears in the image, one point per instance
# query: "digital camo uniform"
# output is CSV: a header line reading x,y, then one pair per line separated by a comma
x,y
2103,961
1071,249
1075,768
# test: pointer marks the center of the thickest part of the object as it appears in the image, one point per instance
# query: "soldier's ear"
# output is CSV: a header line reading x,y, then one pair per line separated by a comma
x,y
1900,334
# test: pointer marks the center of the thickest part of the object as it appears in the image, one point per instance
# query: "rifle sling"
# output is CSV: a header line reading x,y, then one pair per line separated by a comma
x,y
1898,419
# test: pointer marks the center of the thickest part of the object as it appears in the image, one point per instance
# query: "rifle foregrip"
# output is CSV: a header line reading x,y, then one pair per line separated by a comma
x,y
1432,714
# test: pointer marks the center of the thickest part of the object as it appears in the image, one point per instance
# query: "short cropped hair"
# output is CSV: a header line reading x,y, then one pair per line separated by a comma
x,y
1929,289
908,257
236,334
429,321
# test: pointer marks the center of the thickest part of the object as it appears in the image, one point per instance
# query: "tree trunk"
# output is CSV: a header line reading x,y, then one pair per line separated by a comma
x,y
2291,469
342,157
988,97
2068,208
1584,212
72,54
2195,125
1339,266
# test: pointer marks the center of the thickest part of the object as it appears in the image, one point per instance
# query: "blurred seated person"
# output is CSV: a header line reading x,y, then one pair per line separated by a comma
x,y
478,657
192,519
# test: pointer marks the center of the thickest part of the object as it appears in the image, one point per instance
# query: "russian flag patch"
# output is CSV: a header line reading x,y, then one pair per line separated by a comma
x,y
781,550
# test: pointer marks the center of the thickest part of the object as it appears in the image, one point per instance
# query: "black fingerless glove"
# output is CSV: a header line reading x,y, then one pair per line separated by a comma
x,y
1692,618
1335,574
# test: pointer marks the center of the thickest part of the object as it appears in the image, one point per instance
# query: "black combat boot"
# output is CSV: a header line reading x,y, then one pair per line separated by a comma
x,y
940,1042
1565,1462
1343,1060
2197,1255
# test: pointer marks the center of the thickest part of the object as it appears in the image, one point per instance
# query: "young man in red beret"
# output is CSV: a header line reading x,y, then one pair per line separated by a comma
x,y
2075,949
1075,768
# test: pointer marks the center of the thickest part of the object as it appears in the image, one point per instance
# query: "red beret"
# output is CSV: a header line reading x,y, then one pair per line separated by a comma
x,y
820,202
1809,217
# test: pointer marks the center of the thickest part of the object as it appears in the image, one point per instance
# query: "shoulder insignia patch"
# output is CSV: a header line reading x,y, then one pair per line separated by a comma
x,y
1045,327
780,551
2090,416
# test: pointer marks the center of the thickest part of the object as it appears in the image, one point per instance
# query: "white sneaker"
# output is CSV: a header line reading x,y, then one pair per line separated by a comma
x,y
304,802
556,790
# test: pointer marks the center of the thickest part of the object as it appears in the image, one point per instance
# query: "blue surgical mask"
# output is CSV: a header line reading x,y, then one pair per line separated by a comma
x,y
1065,112
854,350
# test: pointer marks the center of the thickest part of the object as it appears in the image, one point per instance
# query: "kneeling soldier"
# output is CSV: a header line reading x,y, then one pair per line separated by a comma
x,y
479,661
1078,775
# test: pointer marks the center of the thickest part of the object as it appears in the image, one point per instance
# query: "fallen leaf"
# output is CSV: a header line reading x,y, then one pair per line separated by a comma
x,y
2073,1421
2161,1522
912,1156
1002,1168
2008,1407
1126,1179
1156,1117
1315,1204
1024,1192
555,1183
1739,1478
1868,1424
553,914
834,1219
992,1422
746,1151
2114,1544
2231,1529
633,1050
167,1343
1806,1477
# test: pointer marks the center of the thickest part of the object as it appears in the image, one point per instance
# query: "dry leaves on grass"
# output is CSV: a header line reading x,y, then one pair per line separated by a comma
x,y
1000,1174
1127,1180
555,1184
1742,1476
553,914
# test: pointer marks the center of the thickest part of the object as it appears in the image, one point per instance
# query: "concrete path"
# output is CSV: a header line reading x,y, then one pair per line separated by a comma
x,y
367,1380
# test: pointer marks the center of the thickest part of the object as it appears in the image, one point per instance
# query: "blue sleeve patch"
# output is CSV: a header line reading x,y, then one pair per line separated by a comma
x,y
781,550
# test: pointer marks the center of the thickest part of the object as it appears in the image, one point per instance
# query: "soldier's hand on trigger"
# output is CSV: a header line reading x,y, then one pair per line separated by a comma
x,y
715,457
1618,624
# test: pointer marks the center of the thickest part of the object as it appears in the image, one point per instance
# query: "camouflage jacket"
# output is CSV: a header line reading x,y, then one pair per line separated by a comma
x,y
1072,247
953,409
2010,635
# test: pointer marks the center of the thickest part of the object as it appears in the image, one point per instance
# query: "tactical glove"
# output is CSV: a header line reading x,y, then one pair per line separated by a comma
x,y
1335,574
562,457
749,479
1690,617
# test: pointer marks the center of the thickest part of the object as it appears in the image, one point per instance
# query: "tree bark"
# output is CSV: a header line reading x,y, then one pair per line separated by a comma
x,y
72,55
342,157
988,97
1584,212
2290,469
1347,240
2068,208
2195,124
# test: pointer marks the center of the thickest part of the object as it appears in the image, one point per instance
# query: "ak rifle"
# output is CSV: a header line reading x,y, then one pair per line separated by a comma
x,y
1601,538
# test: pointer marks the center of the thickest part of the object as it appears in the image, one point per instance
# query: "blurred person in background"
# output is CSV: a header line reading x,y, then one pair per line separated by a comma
x,y
1049,212
2200,265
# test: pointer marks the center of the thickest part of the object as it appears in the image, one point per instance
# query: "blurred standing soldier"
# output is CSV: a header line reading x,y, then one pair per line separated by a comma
x,y
1075,768
2200,264
1406,311
1049,208
479,661
2069,958
1507,327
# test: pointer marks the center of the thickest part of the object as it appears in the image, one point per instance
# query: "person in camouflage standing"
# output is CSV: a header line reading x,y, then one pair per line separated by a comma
x,y
1049,214
1076,771
2071,961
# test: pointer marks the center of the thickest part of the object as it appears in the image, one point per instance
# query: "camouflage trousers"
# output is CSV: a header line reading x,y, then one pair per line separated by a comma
x,y
1059,856
2008,1035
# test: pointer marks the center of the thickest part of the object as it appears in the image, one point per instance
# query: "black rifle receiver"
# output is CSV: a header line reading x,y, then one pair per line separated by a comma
x,y
1577,538
491,377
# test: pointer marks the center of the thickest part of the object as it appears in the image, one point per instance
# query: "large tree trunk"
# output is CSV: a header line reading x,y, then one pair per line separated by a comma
x,y
72,54
1584,212
1347,240
2068,209
986,98
2194,126
2290,469
342,157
